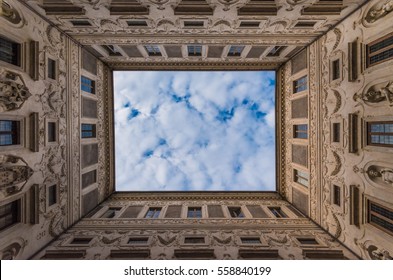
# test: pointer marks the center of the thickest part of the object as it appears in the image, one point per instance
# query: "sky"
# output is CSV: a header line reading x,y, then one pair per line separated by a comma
x,y
195,131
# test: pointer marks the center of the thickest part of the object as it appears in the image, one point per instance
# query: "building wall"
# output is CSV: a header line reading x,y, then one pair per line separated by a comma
x,y
108,229
29,170
346,103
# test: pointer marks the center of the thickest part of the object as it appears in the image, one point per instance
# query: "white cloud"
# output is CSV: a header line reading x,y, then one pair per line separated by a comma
x,y
194,130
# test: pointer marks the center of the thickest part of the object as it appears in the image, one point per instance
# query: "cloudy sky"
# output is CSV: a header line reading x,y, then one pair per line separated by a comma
x,y
194,131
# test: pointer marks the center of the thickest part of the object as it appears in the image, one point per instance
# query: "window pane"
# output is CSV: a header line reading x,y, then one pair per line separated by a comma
x,y
51,132
9,51
194,212
9,214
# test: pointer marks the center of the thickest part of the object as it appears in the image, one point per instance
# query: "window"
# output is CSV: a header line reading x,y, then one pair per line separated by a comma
x,y
305,24
10,52
9,214
300,131
153,213
81,240
248,24
380,133
307,240
335,69
153,50
87,85
51,69
193,23
301,177
52,195
336,195
137,240
235,50
380,216
194,240
300,84
194,50
336,132
111,212
137,23
9,132
194,212
88,130
236,212
380,50
251,240
111,50
52,132
277,211
276,51
82,23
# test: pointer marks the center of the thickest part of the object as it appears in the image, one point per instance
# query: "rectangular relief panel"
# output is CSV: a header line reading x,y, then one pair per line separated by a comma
x,y
353,133
132,212
257,211
89,201
259,254
300,201
89,155
354,210
300,154
89,108
173,211
299,62
300,108
89,62
130,254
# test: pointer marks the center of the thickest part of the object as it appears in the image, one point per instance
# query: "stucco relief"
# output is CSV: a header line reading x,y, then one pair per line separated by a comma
x,y
13,91
378,11
14,250
377,94
10,13
379,174
14,174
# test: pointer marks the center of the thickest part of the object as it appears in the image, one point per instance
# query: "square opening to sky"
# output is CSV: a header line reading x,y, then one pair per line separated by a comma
x,y
195,131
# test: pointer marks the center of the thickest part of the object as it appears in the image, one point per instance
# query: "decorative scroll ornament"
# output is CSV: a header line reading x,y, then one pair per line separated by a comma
x,y
379,11
14,173
13,91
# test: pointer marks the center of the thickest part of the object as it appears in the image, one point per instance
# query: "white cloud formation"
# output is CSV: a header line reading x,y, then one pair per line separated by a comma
x,y
195,131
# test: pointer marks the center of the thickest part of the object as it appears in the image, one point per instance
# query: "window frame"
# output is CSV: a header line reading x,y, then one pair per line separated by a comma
x,y
16,204
193,50
56,123
20,132
369,45
296,176
152,50
295,86
297,132
369,213
194,216
369,133
155,211
92,85
235,50
93,130
20,50
49,58
242,214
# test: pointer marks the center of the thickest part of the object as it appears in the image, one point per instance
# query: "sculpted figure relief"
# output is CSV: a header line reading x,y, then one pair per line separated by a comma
x,y
376,96
378,11
13,92
12,173
380,175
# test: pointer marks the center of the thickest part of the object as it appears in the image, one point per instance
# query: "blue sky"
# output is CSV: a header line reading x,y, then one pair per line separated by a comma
x,y
195,131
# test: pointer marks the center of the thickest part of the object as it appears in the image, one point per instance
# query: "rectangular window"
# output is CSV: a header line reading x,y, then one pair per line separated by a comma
x,y
81,240
153,213
153,50
276,51
52,195
194,50
277,211
194,212
137,23
301,177
248,24
335,69
111,212
194,240
10,52
300,131
380,50
380,216
80,23
52,132
193,23
250,240
336,132
137,240
380,133
236,212
88,130
9,132
235,50
51,69
337,195
9,214
307,241
300,84
87,85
